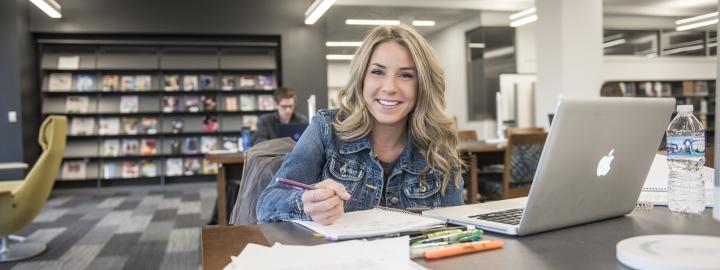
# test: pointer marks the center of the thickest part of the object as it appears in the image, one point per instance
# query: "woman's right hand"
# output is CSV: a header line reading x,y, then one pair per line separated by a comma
x,y
325,204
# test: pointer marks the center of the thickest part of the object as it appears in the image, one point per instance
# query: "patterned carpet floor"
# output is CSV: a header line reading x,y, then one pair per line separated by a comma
x,y
142,227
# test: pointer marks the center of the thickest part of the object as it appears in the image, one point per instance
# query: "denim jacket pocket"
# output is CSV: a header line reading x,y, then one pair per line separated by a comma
x,y
423,193
346,171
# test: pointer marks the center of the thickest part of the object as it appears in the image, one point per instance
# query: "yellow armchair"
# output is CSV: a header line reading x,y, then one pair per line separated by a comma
x,y
21,201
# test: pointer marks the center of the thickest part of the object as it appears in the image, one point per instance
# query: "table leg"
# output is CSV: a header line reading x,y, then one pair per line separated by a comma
x,y
473,192
221,184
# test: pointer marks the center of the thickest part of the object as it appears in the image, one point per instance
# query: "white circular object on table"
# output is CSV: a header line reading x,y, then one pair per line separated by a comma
x,y
669,252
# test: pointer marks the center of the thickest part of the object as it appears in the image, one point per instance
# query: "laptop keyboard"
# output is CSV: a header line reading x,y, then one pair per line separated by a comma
x,y
511,216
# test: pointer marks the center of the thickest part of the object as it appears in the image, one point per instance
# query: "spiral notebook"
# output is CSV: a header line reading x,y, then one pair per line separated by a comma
x,y
373,222
656,184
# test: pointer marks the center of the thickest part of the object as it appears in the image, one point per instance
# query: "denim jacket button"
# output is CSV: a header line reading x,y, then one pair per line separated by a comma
x,y
394,200
423,188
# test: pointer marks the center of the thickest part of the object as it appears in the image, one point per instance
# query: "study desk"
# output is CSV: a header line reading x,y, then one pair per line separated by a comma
x,y
589,246
230,166
488,154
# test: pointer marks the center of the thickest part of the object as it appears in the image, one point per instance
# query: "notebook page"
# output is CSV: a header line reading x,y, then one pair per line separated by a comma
x,y
656,184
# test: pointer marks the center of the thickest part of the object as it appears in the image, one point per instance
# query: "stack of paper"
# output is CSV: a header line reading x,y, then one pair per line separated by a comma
x,y
391,253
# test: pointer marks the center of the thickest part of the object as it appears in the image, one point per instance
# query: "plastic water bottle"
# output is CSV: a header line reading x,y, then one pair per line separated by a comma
x,y
686,157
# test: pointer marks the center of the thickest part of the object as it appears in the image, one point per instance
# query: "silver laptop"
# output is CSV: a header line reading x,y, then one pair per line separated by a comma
x,y
593,165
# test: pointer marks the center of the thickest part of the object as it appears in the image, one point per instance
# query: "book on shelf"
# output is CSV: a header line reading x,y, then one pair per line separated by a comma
x,y
130,169
130,125
82,126
60,82
666,89
209,167
149,169
192,103
266,103
148,147
171,82
129,104
688,88
231,104
207,82
231,143
177,125
210,123
209,103
647,88
110,83
171,104
127,83
85,82
250,121
109,170
77,104
74,169
190,83
658,89
149,125
191,145
227,82
173,167
175,146
131,147
111,148
109,126
265,82
247,81
701,88
143,83
208,143
248,102
191,166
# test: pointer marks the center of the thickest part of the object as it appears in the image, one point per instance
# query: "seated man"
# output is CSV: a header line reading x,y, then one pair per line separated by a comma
x,y
267,125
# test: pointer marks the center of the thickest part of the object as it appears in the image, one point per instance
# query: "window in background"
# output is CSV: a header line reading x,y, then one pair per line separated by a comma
x,y
490,52
630,42
683,43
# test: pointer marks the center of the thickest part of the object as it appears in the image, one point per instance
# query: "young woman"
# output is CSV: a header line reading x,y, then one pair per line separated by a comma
x,y
390,143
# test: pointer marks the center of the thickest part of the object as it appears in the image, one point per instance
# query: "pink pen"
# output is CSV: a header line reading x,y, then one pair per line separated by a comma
x,y
301,186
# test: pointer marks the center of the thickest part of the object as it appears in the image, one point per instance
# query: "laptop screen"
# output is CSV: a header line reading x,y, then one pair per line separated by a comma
x,y
293,130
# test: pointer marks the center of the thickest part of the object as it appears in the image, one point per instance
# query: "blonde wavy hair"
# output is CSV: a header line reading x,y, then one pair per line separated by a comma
x,y
431,129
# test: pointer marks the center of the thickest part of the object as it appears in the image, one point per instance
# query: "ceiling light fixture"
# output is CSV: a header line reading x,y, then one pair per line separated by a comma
x,y
522,13
476,45
523,17
696,25
371,22
697,18
316,10
343,43
524,21
614,43
423,23
50,7
339,57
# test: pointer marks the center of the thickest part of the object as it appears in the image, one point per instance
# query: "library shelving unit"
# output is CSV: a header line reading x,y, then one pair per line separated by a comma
x,y
146,108
699,93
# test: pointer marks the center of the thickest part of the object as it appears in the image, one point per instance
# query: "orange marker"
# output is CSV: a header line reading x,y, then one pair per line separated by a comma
x,y
463,249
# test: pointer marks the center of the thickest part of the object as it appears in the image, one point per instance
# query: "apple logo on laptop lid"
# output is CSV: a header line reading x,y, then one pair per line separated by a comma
x,y
604,165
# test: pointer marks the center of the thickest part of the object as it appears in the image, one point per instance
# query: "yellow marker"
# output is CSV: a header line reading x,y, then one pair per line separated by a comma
x,y
318,235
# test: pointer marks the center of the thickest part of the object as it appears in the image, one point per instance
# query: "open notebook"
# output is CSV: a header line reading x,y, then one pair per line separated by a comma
x,y
656,184
373,222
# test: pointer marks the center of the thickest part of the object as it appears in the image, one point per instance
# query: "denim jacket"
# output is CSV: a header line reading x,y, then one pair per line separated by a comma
x,y
319,155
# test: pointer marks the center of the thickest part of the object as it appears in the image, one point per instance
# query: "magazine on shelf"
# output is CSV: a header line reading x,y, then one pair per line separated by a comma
x,y
265,82
127,83
228,82
60,82
173,167
109,170
248,102
149,169
190,83
82,126
191,166
77,104
129,104
131,147
130,169
148,147
230,143
231,104
85,82
247,81
130,125
250,121
192,103
176,125
68,62
210,123
149,125
143,83
111,83
207,82
171,83
191,145
209,167
111,148
175,146
171,104
208,143
109,126
209,103
74,169
266,103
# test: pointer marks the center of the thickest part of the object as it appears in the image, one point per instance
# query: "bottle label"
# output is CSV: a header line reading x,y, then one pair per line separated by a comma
x,y
686,146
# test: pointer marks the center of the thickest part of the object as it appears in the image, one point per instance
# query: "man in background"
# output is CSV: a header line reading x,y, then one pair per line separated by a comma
x,y
267,125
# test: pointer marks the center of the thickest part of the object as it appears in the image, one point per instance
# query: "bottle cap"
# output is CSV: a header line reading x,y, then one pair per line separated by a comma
x,y
684,108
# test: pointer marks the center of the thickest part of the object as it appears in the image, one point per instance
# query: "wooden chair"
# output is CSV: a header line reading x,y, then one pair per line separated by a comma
x,y
522,155
467,135
528,130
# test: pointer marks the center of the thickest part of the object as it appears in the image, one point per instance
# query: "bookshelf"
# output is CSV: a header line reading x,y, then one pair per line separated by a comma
x,y
699,93
146,109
